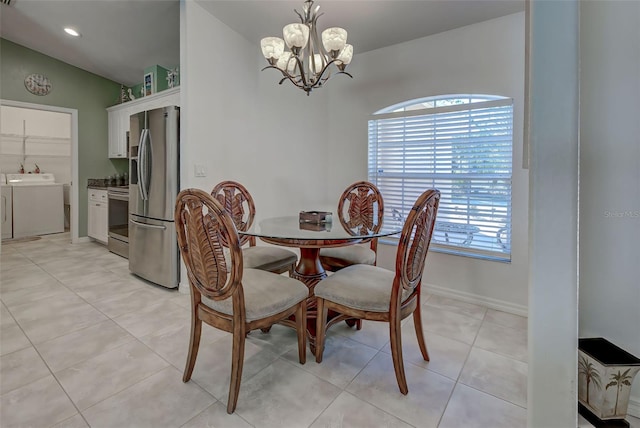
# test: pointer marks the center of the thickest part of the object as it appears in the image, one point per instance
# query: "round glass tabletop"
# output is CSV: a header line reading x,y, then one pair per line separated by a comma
x,y
290,227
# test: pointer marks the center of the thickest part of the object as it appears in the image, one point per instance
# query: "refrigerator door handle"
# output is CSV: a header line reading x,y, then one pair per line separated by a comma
x,y
149,226
142,165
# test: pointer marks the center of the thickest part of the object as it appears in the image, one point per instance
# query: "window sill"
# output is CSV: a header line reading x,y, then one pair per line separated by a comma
x,y
455,251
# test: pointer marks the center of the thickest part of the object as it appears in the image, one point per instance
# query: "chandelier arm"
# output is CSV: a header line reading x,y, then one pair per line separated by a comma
x,y
325,69
302,76
286,76
273,66
304,86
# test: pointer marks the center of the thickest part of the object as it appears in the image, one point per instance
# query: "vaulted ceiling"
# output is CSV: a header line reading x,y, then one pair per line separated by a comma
x,y
122,37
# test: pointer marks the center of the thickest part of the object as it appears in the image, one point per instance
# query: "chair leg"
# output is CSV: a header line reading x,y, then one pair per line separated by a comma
x,y
321,321
291,270
359,325
237,360
417,321
301,328
396,354
194,344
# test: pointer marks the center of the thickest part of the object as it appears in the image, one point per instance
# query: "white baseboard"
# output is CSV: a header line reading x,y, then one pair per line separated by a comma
x,y
634,407
499,305
183,288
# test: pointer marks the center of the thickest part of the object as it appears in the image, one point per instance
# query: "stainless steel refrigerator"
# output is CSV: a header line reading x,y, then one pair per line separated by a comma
x,y
154,180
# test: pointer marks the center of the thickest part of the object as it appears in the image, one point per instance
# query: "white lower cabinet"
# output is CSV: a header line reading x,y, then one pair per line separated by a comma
x,y
98,215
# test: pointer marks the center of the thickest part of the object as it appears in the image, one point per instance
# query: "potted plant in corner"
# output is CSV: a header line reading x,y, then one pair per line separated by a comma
x,y
605,376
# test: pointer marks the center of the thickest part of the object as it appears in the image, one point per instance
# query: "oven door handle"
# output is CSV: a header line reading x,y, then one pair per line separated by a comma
x,y
118,197
149,226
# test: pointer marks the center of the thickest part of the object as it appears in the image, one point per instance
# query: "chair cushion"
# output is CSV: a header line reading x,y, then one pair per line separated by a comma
x,y
265,294
363,287
354,254
267,258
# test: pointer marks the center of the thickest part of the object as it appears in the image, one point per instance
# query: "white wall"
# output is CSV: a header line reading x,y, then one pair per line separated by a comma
x,y
243,126
485,58
48,141
217,85
553,284
610,176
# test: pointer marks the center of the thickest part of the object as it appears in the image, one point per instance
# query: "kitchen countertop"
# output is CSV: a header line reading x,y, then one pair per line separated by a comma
x,y
97,183
101,184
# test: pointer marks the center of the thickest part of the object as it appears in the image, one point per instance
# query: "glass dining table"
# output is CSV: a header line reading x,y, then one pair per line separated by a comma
x,y
310,237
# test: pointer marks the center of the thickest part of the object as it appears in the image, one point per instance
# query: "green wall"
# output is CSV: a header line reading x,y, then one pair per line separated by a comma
x,y
73,88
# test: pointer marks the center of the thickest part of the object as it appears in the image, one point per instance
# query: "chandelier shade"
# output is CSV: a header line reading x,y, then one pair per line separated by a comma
x,y
296,35
307,62
334,39
272,47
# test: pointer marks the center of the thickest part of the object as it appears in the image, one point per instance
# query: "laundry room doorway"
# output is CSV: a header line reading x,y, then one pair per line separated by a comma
x,y
42,141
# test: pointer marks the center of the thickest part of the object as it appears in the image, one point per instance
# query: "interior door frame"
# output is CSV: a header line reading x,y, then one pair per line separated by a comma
x,y
74,209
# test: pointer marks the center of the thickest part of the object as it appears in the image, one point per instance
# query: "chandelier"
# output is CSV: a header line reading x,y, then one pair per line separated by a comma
x,y
307,63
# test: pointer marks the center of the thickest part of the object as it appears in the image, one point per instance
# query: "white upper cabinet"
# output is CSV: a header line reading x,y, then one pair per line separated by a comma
x,y
118,133
118,117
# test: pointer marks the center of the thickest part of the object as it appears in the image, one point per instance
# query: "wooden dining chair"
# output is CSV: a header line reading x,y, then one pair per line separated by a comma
x,y
237,200
377,294
361,208
223,293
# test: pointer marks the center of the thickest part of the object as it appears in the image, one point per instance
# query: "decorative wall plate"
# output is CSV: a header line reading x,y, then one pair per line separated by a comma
x,y
37,84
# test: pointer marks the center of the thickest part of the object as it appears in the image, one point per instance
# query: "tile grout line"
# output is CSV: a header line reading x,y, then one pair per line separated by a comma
x,y
57,337
456,381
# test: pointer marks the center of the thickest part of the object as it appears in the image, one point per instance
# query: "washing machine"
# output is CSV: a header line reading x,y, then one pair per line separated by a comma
x,y
37,204
6,210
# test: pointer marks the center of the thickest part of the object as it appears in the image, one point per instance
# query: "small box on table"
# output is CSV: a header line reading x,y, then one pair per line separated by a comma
x,y
316,217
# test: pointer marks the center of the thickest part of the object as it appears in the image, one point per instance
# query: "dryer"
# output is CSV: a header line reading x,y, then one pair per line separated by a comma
x,y
37,204
6,210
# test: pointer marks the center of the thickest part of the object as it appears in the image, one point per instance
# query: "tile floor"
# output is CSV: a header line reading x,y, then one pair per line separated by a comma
x,y
84,343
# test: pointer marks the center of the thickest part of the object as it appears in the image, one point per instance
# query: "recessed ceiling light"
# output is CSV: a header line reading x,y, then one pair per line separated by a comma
x,y
70,31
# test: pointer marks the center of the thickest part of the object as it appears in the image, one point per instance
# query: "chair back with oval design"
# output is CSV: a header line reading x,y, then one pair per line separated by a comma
x,y
237,201
361,208
349,292
204,227
415,240
218,298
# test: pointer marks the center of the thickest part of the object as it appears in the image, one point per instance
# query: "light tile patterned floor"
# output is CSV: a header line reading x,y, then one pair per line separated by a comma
x,y
84,343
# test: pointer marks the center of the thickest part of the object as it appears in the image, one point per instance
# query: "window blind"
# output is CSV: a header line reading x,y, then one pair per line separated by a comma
x,y
465,151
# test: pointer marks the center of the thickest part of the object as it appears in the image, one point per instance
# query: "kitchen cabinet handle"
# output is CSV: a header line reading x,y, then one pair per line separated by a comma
x,y
4,210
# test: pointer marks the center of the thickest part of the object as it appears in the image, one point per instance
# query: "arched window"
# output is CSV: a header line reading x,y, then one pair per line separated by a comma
x,y
461,145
